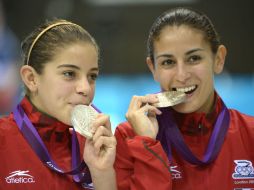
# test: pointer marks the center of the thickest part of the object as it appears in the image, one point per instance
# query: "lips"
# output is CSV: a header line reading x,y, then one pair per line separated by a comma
x,y
79,103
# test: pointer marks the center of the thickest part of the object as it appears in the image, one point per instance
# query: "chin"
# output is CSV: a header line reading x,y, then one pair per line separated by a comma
x,y
67,123
184,108
64,120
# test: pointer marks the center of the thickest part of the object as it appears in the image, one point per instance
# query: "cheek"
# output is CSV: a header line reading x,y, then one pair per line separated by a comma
x,y
205,73
63,89
164,78
92,93
207,81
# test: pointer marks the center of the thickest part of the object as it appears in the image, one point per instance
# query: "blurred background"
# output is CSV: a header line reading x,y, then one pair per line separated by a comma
x,y
121,29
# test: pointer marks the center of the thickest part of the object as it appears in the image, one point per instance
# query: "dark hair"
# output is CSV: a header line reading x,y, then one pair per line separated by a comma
x,y
183,16
42,44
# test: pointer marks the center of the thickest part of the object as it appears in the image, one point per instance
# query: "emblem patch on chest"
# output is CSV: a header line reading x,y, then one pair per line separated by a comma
x,y
243,170
243,175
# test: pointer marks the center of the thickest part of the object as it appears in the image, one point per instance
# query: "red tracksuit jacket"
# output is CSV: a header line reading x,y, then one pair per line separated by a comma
x,y
20,168
141,167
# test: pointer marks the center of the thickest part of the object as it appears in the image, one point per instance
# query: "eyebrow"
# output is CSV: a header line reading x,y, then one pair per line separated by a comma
x,y
75,67
187,53
193,50
68,65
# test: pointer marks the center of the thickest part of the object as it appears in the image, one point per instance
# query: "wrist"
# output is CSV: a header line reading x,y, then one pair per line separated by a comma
x,y
101,172
104,179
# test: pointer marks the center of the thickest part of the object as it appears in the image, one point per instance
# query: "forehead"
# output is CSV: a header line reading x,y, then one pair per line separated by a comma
x,y
180,37
180,32
76,48
81,54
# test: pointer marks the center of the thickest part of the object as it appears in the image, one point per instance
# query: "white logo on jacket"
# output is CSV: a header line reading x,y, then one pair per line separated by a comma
x,y
243,170
88,186
20,177
175,173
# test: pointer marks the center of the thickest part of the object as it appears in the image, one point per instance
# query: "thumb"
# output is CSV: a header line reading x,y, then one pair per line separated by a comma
x,y
71,131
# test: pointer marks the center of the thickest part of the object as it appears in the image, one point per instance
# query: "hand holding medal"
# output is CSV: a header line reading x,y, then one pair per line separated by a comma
x,y
100,144
143,110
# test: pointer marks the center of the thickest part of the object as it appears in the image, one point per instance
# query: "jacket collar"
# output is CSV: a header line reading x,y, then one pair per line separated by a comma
x,y
198,123
49,128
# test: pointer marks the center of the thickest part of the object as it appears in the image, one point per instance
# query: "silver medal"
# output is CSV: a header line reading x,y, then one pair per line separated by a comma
x,y
82,117
170,98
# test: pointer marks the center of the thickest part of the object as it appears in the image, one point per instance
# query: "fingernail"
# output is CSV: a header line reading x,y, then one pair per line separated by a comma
x,y
158,112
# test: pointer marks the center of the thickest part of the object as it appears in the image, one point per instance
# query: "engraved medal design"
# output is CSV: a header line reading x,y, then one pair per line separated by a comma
x,y
170,98
82,117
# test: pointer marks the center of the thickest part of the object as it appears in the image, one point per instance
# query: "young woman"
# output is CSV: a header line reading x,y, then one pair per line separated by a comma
x,y
198,144
38,149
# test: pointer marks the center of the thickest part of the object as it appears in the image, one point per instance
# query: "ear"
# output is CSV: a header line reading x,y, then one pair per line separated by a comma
x,y
220,59
29,77
151,67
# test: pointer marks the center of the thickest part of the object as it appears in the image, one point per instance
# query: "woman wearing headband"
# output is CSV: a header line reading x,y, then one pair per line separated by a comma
x,y
38,149
197,144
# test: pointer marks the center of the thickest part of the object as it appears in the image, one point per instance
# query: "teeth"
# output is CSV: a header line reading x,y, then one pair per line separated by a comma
x,y
186,89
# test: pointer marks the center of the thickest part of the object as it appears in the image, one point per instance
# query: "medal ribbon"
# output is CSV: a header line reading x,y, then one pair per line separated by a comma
x,y
170,135
31,135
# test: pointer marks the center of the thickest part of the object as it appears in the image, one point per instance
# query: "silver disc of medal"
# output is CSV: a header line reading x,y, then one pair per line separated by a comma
x,y
170,98
82,117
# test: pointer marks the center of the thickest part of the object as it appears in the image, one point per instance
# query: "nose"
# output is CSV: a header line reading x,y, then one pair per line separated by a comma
x,y
83,86
182,73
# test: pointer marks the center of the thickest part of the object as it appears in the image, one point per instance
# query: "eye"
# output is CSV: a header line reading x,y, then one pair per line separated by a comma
x,y
69,74
194,59
93,76
168,62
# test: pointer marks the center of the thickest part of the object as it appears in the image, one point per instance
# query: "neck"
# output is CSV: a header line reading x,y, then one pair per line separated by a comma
x,y
36,105
208,107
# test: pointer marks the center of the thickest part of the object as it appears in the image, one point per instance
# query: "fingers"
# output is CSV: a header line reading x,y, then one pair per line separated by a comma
x,y
142,105
138,101
142,115
103,143
102,140
103,137
101,120
101,131
150,110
